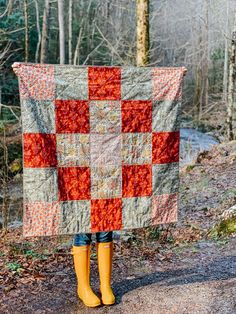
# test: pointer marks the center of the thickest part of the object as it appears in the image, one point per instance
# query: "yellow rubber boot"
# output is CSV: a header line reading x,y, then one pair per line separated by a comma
x,y
81,256
104,254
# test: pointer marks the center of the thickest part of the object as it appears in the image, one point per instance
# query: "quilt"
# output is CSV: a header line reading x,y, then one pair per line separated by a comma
x,y
100,147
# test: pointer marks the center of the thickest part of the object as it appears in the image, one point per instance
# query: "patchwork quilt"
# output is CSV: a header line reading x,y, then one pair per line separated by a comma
x,y
100,147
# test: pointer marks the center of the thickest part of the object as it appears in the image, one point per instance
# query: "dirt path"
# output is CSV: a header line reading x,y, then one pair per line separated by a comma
x,y
199,278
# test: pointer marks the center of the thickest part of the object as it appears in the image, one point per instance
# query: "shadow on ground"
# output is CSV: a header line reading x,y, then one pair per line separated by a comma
x,y
219,269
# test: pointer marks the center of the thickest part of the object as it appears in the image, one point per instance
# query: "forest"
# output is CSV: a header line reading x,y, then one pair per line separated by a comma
x,y
187,266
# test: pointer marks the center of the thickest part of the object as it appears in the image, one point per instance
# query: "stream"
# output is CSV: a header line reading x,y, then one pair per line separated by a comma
x,y
192,142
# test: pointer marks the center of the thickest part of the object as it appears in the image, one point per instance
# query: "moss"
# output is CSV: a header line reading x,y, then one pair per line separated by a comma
x,y
231,192
224,228
189,168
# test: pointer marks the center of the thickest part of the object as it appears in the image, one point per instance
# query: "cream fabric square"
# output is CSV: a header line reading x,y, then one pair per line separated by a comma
x,y
106,182
105,149
105,116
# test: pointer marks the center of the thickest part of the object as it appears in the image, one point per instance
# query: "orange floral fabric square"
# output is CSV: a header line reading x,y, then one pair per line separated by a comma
x,y
39,150
106,214
104,83
165,147
73,183
136,116
137,180
72,116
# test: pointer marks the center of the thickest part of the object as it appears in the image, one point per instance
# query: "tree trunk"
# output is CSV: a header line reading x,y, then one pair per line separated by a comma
x,y
45,32
197,93
61,31
226,57
76,53
70,31
232,68
10,7
5,205
142,11
26,31
206,56
38,30
198,87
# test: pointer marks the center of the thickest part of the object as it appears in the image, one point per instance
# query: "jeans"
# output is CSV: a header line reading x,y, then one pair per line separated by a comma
x,y
81,239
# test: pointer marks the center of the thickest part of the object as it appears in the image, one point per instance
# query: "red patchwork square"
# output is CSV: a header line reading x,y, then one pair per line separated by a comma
x,y
136,116
165,147
73,183
136,180
104,83
39,150
164,208
106,214
72,116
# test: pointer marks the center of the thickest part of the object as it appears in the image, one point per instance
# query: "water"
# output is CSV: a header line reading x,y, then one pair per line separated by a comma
x,y
192,142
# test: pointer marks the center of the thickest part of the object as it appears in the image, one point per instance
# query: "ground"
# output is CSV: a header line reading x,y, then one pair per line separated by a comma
x,y
193,278
178,268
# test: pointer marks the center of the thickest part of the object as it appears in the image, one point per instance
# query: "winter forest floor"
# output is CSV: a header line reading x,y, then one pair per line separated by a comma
x,y
179,268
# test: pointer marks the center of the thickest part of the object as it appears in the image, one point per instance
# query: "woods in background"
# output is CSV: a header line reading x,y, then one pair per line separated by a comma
x,y
199,35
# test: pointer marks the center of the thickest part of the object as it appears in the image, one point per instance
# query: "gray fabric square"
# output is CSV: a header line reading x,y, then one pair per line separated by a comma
x,y
38,116
166,116
40,184
136,84
136,212
71,82
74,217
165,178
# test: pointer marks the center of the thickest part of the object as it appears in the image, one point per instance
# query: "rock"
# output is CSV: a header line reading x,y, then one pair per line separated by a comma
x,y
229,213
127,236
15,224
227,224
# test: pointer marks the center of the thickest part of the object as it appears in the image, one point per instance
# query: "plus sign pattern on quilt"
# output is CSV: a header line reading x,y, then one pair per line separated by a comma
x,y
100,147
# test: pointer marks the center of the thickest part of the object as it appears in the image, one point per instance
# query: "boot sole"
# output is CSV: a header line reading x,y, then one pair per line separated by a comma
x,y
90,305
108,303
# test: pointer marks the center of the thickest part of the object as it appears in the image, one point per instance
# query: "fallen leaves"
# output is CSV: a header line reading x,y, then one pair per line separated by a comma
x,y
24,263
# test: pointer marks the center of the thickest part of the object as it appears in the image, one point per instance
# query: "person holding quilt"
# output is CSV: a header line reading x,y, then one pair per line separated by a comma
x,y
81,257
80,118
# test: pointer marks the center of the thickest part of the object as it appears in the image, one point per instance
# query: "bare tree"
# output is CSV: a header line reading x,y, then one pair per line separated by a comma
x,y
4,179
70,20
232,67
61,31
38,30
26,31
206,56
142,12
226,57
8,9
45,31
